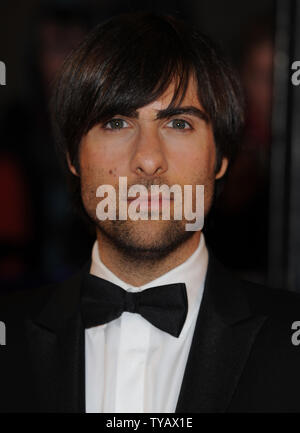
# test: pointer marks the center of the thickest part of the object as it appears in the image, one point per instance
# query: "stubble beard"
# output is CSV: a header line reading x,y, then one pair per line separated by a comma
x,y
139,241
143,241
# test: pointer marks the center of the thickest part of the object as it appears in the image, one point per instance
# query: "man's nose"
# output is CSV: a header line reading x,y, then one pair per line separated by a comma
x,y
149,157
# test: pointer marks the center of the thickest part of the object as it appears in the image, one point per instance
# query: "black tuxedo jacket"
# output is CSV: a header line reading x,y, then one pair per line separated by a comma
x,y
242,358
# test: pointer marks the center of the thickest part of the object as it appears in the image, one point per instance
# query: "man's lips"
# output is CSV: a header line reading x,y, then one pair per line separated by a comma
x,y
146,203
145,199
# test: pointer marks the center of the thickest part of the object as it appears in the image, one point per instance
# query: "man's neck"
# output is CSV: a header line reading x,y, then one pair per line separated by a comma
x,y
140,272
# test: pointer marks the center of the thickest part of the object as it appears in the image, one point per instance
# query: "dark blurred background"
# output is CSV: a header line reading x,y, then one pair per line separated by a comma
x,y
253,227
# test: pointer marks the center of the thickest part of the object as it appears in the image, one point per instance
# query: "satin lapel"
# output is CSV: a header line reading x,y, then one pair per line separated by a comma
x,y
71,348
55,341
223,337
43,357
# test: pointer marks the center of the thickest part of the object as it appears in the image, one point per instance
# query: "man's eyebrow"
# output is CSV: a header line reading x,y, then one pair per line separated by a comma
x,y
170,112
175,111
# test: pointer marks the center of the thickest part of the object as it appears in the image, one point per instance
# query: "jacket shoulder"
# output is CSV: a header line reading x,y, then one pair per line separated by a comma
x,y
266,300
26,303
261,299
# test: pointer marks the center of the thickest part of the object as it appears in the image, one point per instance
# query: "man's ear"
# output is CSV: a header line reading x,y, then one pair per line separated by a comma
x,y
223,168
71,166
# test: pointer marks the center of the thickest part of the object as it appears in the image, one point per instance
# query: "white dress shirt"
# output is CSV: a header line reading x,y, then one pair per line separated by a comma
x,y
132,366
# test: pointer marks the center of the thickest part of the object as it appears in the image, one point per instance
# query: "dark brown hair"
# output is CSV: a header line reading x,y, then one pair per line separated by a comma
x,y
129,61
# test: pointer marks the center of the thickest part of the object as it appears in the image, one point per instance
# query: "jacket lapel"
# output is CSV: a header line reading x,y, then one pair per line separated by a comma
x,y
55,341
224,334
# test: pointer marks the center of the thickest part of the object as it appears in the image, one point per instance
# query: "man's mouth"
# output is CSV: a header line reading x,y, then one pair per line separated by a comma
x,y
148,203
148,199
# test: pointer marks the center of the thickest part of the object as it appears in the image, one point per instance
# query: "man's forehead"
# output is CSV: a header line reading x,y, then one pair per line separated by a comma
x,y
163,103
177,99
162,107
190,97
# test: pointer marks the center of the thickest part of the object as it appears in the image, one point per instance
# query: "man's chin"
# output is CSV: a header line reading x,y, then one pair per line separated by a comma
x,y
145,240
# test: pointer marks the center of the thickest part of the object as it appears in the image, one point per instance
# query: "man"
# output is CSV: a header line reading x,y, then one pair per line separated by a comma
x,y
153,323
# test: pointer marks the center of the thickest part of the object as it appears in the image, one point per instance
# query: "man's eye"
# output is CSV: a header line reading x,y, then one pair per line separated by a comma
x,y
179,124
115,124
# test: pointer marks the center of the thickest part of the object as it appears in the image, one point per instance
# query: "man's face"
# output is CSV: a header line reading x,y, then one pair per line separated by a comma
x,y
149,149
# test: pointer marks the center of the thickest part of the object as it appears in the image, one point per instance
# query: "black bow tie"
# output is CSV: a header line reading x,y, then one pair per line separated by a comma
x,y
163,306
